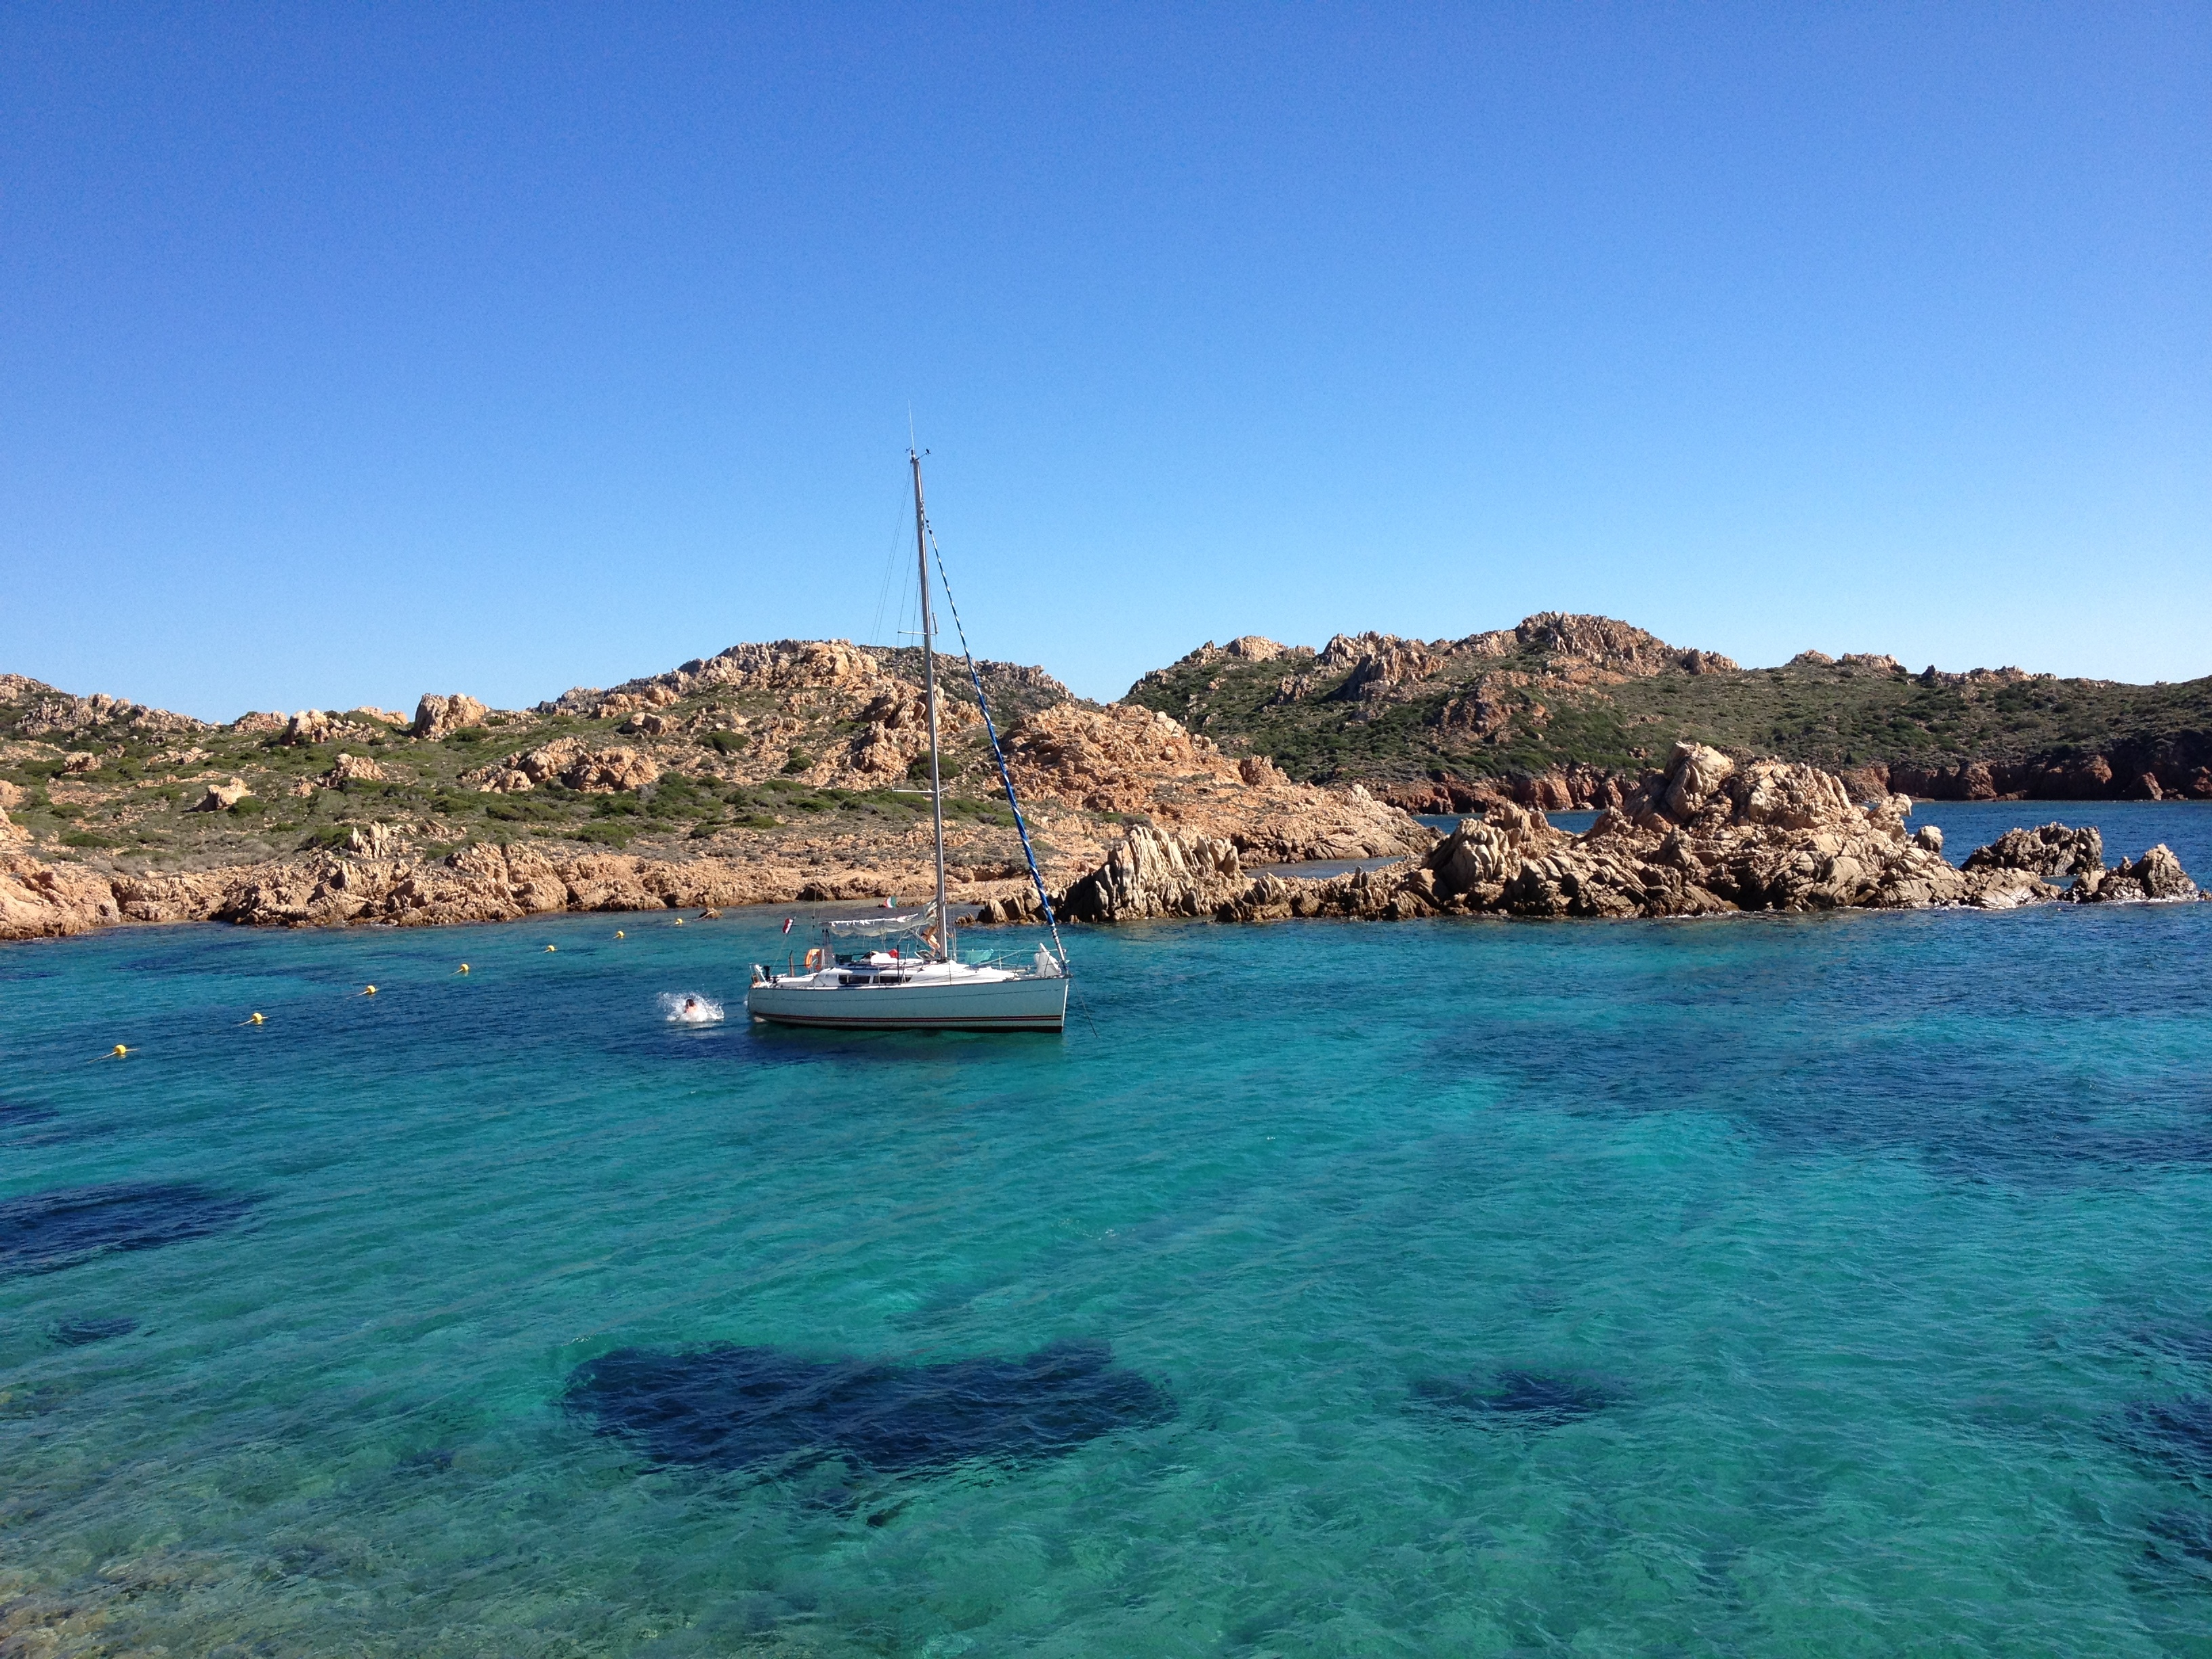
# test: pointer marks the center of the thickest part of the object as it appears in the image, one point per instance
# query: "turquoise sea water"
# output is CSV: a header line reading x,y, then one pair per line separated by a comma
x,y
1814,1285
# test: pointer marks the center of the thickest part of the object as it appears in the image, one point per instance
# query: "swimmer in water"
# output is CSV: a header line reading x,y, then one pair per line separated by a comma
x,y
690,1006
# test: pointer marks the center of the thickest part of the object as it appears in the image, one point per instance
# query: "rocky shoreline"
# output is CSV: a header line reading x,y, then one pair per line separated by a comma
x,y
769,775
1705,835
786,773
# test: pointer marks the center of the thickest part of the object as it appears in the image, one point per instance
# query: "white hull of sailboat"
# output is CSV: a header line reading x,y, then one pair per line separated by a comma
x,y
1003,1005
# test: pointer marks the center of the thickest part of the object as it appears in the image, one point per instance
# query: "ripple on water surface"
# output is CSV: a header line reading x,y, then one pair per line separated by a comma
x,y
1791,1286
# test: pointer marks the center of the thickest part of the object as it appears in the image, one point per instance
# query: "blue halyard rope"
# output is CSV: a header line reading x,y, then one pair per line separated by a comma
x,y
1021,824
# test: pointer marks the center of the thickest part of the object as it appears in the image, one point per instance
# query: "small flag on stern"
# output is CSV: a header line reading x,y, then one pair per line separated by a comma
x,y
787,921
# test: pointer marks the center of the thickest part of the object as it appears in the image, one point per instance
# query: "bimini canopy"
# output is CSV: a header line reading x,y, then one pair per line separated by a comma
x,y
884,927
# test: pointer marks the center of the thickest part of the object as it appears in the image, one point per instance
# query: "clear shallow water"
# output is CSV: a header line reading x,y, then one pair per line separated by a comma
x,y
1814,1285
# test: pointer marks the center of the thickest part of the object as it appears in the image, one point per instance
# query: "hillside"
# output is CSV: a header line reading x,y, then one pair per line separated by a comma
x,y
768,773
1578,705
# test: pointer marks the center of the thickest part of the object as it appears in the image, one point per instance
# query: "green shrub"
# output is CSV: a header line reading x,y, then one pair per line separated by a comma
x,y
726,743
798,761
250,806
674,796
605,834
86,838
522,809
756,821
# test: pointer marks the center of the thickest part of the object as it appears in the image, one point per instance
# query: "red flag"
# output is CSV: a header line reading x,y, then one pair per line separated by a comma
x,y
787,921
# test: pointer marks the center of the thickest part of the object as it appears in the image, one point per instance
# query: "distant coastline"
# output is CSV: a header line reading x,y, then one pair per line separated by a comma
x,y
786,772
1564,711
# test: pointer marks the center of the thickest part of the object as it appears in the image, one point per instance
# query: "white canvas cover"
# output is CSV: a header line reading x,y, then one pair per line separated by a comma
x,y
884,927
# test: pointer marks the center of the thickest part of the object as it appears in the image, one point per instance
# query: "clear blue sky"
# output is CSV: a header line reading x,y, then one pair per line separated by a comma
x,y
348,352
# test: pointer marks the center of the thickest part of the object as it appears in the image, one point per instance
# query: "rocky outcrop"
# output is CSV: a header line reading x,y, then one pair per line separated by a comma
x,y
221,797
1607,646
2052,849
1152,874
352,768
1132,761
570,762
1377,673
323,725
2157,875
776,666
2174,766
49,901
437,717
895,733
1705,836
1574,788
375,840
46,713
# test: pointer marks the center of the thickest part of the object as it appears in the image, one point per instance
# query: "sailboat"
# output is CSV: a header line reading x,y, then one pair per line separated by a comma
x,y
905,972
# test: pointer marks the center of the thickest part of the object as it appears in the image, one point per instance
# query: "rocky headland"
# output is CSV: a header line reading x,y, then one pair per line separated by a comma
x,y
1565,711
1703,835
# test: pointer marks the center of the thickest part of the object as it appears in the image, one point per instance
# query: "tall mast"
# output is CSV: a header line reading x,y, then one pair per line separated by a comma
x,y
929,682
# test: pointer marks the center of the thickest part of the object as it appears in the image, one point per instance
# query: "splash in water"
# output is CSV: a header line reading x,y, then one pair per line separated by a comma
x,y
689,1008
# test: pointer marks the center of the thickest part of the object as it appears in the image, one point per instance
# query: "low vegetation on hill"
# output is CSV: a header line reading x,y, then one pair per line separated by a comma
x,y
769,770
818,740
1564,693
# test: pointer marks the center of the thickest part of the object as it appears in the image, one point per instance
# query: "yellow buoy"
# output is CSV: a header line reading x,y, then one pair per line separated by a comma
x,y
463,969
255,1020
549,948
619,933
119,1051
368,990
679,921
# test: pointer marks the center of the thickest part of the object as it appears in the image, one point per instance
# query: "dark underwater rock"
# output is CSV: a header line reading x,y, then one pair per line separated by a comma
x,y
1541,1400
46,1231
22,1124
2182,1534
734,1407
2191,1344
2178,1432
80,1332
